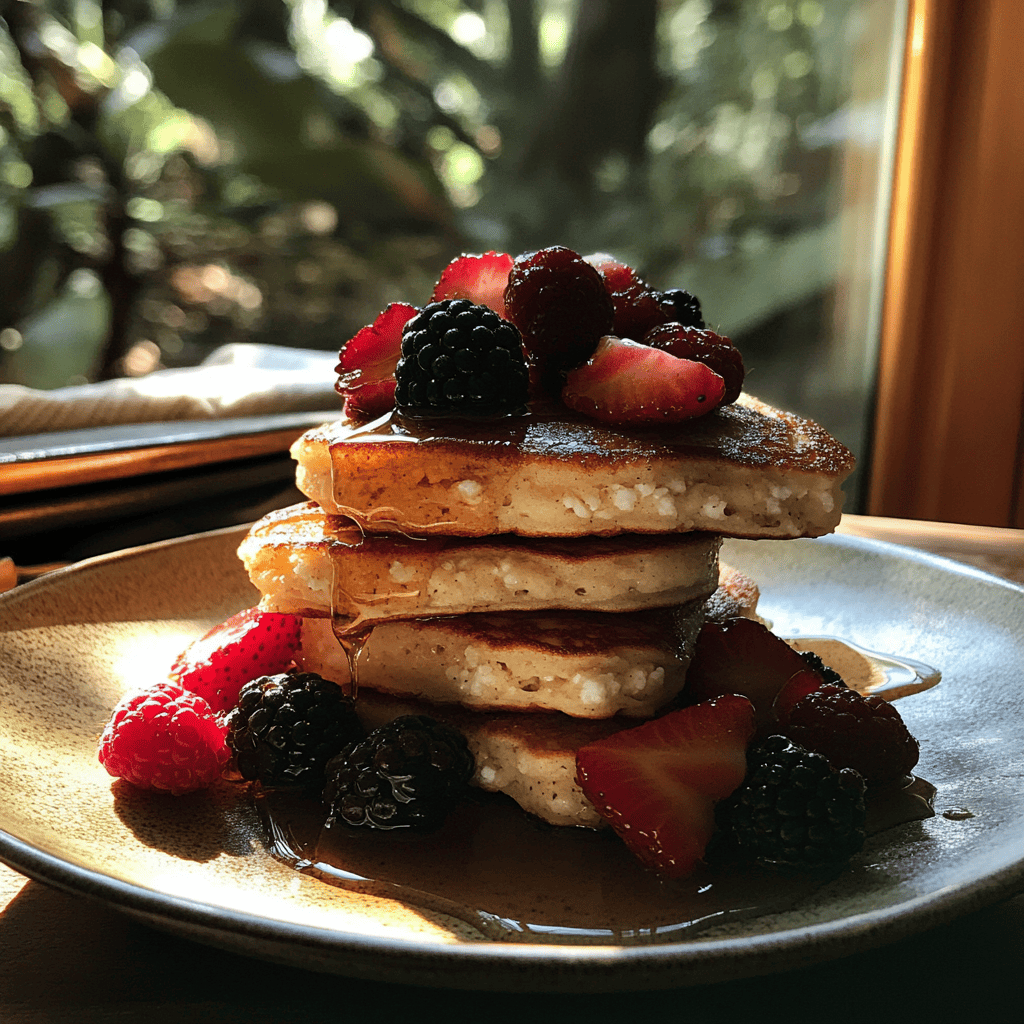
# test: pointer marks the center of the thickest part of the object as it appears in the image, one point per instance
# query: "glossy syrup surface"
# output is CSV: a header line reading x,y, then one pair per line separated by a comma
x,y
515,879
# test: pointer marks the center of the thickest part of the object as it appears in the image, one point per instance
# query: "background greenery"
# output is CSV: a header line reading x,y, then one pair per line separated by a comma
x,y
175,174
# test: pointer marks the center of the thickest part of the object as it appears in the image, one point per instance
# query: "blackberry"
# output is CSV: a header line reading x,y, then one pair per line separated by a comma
x,y
461,358
407,774
794,810
681,307
830,675
286,727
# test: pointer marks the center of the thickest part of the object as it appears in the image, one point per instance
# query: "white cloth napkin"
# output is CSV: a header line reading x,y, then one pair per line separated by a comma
x,y
234,380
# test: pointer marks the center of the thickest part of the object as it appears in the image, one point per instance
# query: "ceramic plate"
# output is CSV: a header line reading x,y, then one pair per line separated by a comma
x,y
73,642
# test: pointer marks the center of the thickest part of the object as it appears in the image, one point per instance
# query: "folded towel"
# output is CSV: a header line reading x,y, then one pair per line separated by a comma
x,y
234,380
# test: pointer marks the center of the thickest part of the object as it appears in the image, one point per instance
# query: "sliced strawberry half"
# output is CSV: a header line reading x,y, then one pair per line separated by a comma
x,y
481,279
657,784
251,643
625,382
744,656
367,361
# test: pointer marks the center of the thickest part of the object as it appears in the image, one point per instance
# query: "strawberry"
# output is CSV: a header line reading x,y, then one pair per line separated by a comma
x,y
481,279
743,656
714,350
625,382
657,784
367,361
249,644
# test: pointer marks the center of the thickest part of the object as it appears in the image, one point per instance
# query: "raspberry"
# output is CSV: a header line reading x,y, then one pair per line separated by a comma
x,y
679,306
407,774
866,734
286,727
560,305
164,738
458,357
794,810
713,350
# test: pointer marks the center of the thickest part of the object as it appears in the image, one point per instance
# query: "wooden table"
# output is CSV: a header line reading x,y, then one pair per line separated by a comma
x,y
67,959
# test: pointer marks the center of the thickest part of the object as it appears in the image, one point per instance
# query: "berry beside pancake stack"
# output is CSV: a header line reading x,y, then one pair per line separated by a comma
x,y
515,525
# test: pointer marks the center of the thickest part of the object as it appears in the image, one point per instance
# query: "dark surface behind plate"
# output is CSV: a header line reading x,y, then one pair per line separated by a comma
x,y
966,623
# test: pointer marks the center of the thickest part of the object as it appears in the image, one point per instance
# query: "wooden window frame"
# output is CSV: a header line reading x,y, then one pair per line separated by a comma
x,y
948,439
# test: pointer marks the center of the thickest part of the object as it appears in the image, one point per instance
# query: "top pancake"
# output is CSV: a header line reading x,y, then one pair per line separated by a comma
x,y
744,470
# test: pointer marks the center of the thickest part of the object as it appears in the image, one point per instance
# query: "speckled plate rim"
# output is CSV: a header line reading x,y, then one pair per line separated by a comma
x,y
508,966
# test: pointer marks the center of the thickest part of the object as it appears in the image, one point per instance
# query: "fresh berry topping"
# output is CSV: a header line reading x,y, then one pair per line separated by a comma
x,y
407,774
560,305
248,644
287,726
627,383
366,367
742,656
679,306
637,305
865,733
164,738
704,346
481,279
461,358
795,811
657,784
798,686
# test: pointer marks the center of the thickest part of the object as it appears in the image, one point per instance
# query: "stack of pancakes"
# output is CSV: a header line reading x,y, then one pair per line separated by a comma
x,y
538,581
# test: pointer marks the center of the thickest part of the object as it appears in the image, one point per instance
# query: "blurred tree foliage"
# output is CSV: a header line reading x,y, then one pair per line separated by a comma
x,y
175,174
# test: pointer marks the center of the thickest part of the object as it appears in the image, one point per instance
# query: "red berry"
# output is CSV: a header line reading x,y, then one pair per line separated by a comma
x,y
249,644
742,656
481,279
706,347
559,303
625,382
657,784
865,733
367,361
637,306
166,739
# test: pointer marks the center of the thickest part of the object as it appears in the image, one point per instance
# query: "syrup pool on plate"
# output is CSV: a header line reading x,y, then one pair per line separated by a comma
x,y
514,878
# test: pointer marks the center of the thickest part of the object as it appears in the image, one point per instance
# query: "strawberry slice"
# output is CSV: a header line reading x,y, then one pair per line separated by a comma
x,y
481,279
744,656
251,643
625,382
367,361
657,784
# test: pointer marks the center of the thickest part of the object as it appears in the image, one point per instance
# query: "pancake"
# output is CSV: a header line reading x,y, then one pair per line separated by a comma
x,y
744,470
584,664
298,555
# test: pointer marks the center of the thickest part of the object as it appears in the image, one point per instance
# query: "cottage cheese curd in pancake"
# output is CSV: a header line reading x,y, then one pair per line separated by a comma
x,y
585,664
300,558
744,470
